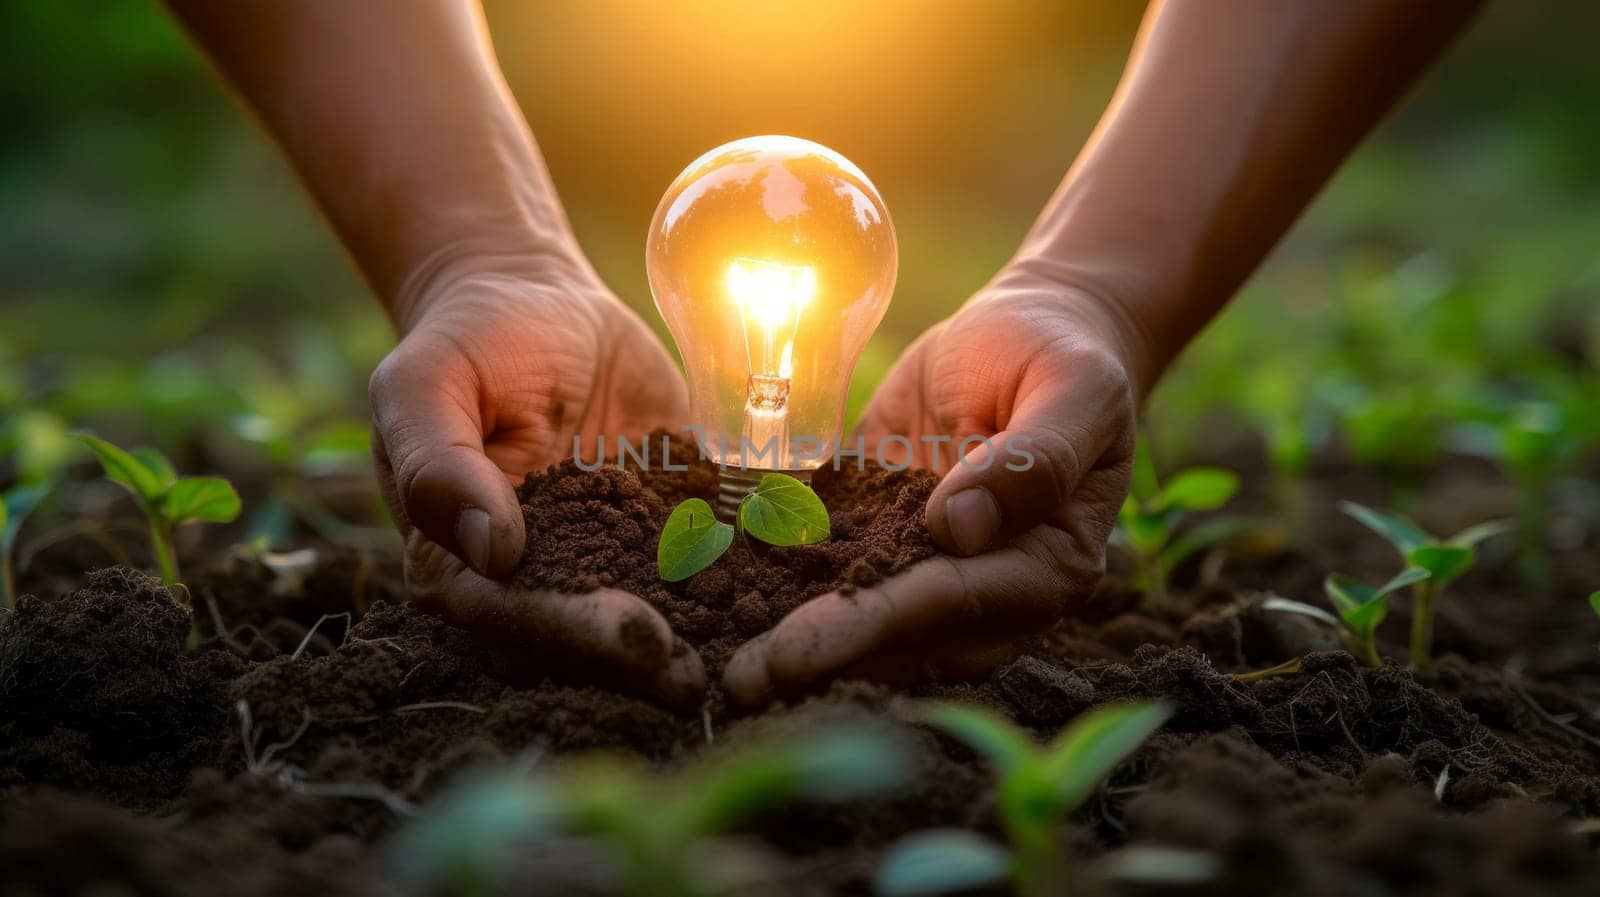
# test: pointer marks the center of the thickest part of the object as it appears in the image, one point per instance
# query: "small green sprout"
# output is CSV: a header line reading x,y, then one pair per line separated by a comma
x,y
1147,525
1445,560
658,829
781,511
16,504
1361,608
166,499
1037,788
1594,602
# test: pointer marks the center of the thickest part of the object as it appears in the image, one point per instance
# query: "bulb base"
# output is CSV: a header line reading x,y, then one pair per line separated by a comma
x,y
734,483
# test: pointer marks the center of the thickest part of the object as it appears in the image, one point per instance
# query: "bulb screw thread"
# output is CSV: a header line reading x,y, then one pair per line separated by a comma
x,y
734,483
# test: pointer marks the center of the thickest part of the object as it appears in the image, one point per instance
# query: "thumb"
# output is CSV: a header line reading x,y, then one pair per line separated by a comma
x,y
429,447
1026,474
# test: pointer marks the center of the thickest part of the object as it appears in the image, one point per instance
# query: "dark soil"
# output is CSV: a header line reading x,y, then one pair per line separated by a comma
x,y
130,765
589,529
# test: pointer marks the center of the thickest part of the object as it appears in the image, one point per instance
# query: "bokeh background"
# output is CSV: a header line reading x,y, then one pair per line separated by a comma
x,y
163,279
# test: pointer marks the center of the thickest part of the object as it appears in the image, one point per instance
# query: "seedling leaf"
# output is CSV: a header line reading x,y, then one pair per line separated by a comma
x,y
941,861
122,467
1159,866
833,765
784,511
1443,562
157,464
1472,535
1199,489
1095,743
1289,606
471,836
691,540
1006,747
1594,601
15,506
1145,484
1401,533
1217,529
201,498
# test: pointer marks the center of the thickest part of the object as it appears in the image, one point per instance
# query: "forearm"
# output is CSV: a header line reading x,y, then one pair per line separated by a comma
x,y
1229,118
399,121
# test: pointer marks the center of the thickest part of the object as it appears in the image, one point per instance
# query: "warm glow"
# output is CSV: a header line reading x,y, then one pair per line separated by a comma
x,y
770,293
772,259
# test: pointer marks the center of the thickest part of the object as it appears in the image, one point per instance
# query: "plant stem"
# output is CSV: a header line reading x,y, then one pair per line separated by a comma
x,y
8,581
1367,650
1155,580
161,544
1422,625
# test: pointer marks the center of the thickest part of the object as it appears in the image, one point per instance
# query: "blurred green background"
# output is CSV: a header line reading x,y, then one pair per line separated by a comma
x,y
162,276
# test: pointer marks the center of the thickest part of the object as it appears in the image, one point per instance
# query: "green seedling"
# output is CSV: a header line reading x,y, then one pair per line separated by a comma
x,y
1361,608
658,830
1038,786
16,504
1147,525
1445,560
167,499
781,511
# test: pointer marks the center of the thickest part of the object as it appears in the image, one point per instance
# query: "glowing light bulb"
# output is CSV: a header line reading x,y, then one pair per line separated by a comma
x,y
772,260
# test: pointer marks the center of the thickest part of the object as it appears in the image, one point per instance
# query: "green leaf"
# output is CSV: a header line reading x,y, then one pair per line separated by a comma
x,y
1401,533
15,506
1444,562
157,464
1095,743
122,467
1145,484
1217,529
784,511
471,836
1199,489
691,541
1472,535
1346,592
200,498
941,861
1277,604
1158,866
1594,601
836,764
1361,606
1145,533
1006,747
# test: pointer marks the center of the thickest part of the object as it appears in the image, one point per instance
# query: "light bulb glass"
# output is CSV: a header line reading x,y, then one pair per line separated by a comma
x,y
772,260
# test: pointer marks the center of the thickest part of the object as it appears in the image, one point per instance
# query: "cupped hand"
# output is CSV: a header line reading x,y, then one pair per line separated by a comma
x,y
1041,370
498,374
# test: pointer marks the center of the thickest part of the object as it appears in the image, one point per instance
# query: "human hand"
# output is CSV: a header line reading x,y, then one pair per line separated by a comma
x,y
1035,366
495,376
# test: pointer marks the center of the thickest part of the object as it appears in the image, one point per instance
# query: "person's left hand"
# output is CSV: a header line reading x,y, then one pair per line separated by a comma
x,y
1037,367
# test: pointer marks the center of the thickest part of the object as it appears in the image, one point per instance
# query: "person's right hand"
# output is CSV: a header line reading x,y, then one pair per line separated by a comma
x,y
1035,366
496,375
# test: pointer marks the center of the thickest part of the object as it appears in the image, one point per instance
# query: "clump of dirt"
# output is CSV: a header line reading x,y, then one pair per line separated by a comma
x,y
97,686
599,528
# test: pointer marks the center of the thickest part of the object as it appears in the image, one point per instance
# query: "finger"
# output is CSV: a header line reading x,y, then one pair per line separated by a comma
x,y
973,603
431,435
605,637
1026,474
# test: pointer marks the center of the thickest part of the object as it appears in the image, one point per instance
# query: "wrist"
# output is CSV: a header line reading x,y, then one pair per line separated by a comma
x,y
429,282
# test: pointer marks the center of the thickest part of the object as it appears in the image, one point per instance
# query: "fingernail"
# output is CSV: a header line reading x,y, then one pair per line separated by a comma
x,y
472,534
973,519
